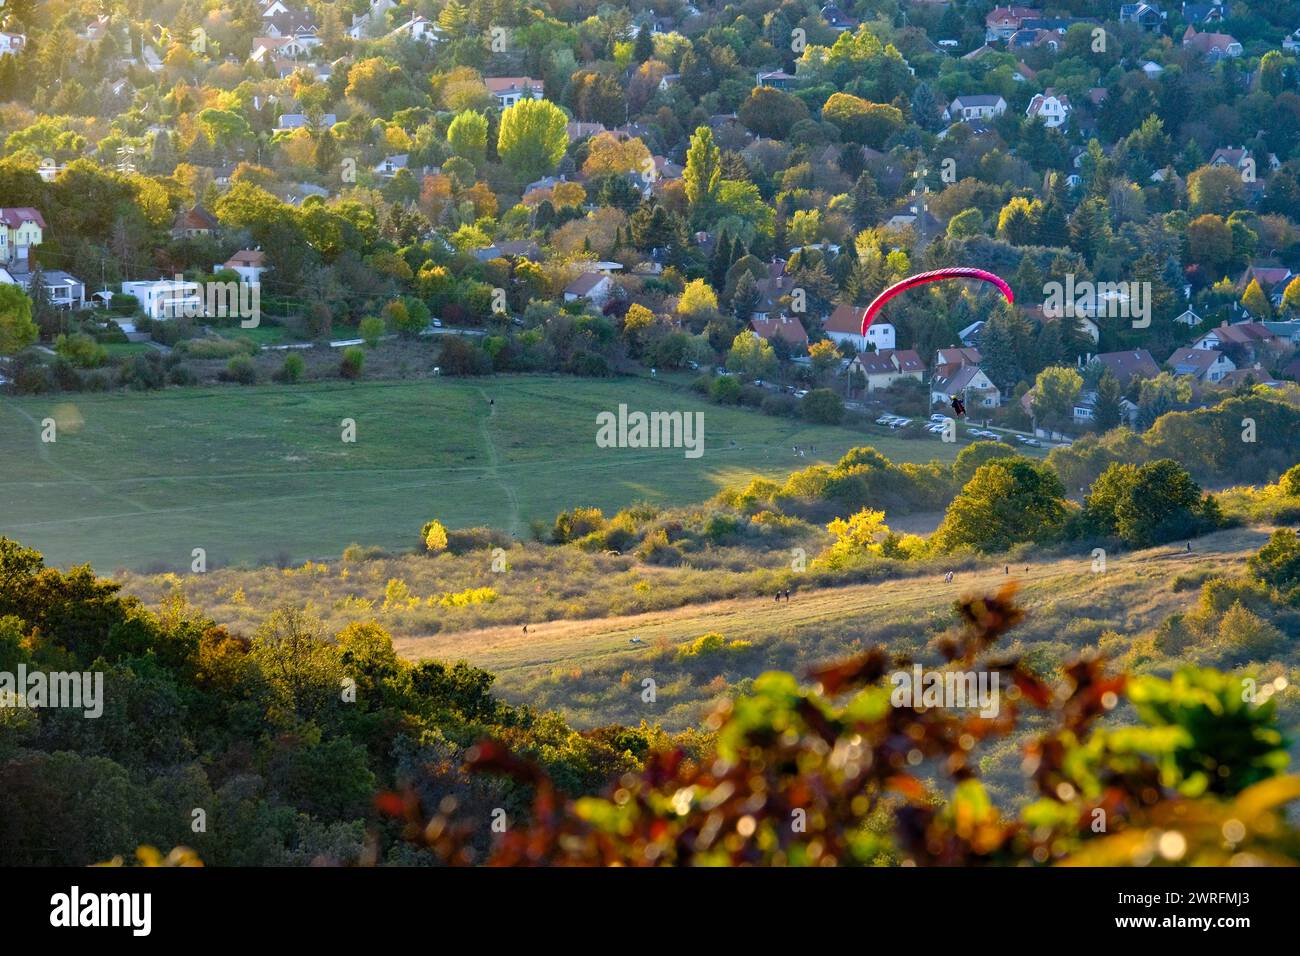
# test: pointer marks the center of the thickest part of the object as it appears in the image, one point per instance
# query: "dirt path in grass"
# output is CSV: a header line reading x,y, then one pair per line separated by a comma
x,y
514,523
505,649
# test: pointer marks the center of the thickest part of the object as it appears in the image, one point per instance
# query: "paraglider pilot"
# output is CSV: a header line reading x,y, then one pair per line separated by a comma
x,y
958,406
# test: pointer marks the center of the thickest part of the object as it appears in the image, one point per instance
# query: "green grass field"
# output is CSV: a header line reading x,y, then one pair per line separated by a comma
x,y
250,474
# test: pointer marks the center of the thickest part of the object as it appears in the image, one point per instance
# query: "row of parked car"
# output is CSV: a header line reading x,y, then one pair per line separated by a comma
x,y
939,422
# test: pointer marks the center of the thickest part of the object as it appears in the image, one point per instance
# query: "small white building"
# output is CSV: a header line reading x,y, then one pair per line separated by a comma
x,y
1051,107
509,90
166,298
248,264
845,325
595,287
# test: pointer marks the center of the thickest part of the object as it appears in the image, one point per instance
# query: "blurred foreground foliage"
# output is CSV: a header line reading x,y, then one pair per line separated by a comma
x,y
837,773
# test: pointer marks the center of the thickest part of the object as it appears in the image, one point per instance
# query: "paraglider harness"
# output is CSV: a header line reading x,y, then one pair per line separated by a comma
x,y
958,406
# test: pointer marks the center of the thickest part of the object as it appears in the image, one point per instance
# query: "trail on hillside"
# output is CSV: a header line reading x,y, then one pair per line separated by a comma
x,y
514,522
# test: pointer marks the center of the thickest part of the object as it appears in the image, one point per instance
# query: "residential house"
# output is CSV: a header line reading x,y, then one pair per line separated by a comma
x,y
248,264
391,164
1250,341
1241,160
1202,13
1273,280
882,369
419,28
290,22
595,287
668,81
844,324
1002,22
1051,107
577,130
1213,46
62,290
1152,69
1148,16
1287,333
514,249
968,381
166,298
1188,318
291,121
1085,409
1126,365
509,90
961,355
777,79
1251,375
783,327
371,23
22,229
1203,365
976,106
11,44
193,222
836,19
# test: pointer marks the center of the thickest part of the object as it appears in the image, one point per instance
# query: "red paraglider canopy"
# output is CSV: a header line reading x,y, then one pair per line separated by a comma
x,y
955,272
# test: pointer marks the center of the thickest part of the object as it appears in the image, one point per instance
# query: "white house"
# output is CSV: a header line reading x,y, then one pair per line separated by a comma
x,y
964,380
978,106
248,264
391,164
509,90
1051,107
1188,318
420,28
844,324
1204,365
595,287
11,44
166,298
371,22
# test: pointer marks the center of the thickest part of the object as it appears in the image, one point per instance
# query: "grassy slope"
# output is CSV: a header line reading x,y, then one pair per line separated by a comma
x,y
575,665
253,473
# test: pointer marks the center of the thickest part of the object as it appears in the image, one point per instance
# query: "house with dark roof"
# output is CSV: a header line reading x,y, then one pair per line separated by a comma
x,y
192,222
1126,365
964,380
782,327
595,287
1204,365
1146,15
1245,341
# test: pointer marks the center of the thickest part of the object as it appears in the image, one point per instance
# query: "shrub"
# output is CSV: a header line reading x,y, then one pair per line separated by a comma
x,y
292,369
352,361
240,369
823,407
725,390
434,537
372,330
81,350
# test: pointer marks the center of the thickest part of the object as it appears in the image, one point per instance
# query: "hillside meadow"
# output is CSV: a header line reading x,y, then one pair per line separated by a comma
x,y
260,475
